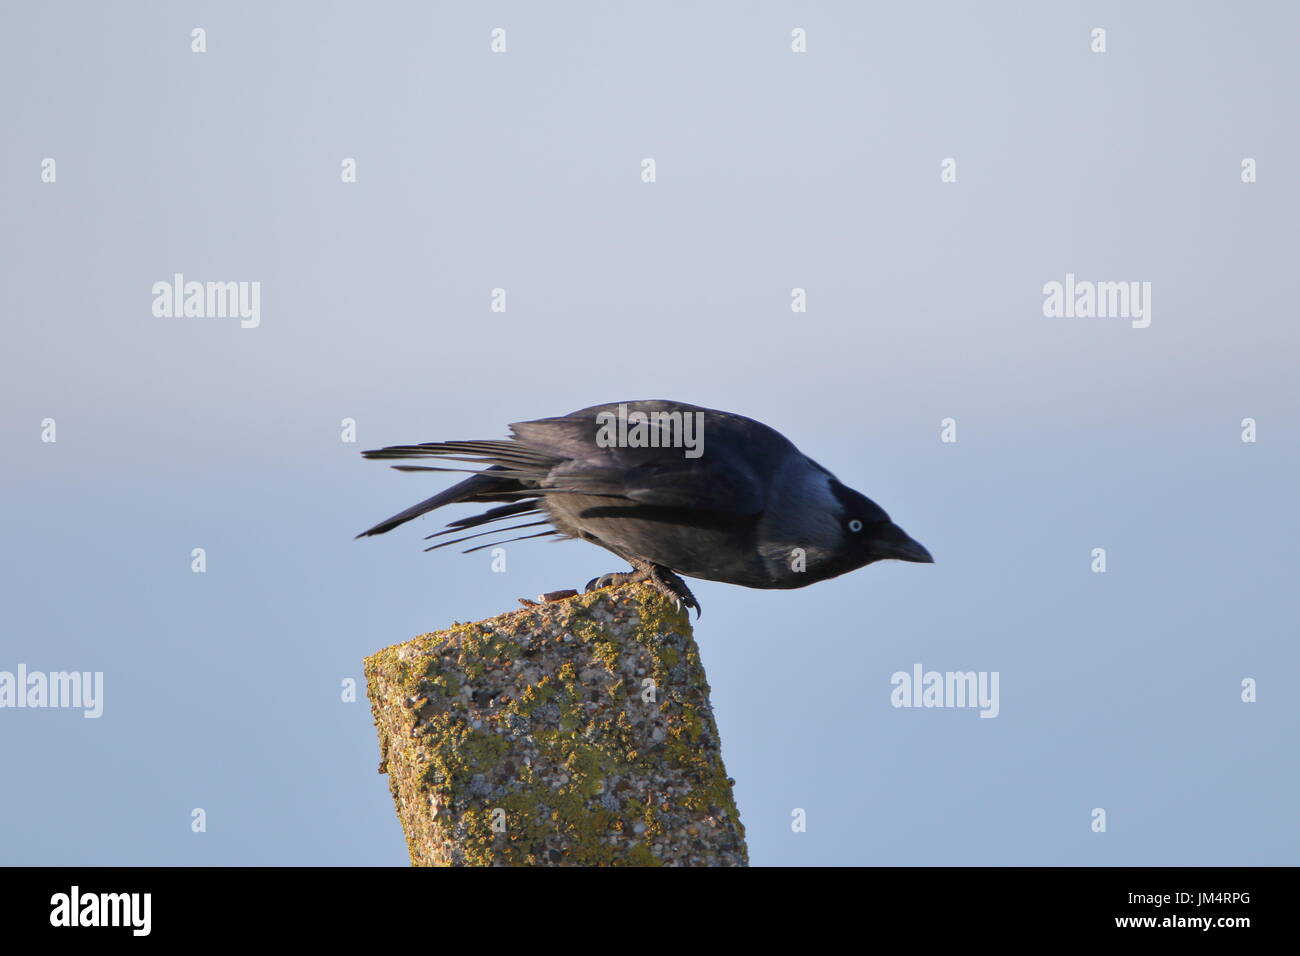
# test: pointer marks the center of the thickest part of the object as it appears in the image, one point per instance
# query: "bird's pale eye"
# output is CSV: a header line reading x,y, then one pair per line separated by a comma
x,y
855,525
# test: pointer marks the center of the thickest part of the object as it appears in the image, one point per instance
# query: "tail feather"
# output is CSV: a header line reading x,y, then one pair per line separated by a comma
x,y
511,471
518,509
480,534
477,488
522,537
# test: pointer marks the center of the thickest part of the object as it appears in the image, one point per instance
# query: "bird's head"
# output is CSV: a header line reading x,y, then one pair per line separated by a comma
x,y
867,534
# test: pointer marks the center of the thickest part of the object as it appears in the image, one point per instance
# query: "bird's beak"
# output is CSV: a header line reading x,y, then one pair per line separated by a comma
x,y
894,543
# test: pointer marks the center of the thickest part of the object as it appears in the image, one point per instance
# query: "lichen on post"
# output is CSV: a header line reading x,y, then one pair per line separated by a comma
x,y
577,732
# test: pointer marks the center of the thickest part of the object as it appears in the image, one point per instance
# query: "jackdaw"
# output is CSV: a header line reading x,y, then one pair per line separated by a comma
x,y
673,489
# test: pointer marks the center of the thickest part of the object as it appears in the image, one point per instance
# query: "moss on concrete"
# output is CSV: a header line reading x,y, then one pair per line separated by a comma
x,y
534,738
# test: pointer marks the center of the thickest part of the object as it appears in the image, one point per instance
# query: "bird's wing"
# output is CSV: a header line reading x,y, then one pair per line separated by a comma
x,y
728,477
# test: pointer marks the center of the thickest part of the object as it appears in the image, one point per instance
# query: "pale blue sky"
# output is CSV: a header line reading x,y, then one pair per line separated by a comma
x,y
775,171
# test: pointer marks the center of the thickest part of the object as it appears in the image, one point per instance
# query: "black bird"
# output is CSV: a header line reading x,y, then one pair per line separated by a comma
x,y
673,489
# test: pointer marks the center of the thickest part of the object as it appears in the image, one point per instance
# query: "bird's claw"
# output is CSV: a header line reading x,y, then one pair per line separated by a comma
x,y
613,580
675,589
661,579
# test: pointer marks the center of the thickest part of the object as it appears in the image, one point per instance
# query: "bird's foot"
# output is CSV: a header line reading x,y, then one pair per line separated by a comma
x,y
660,578
674,588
